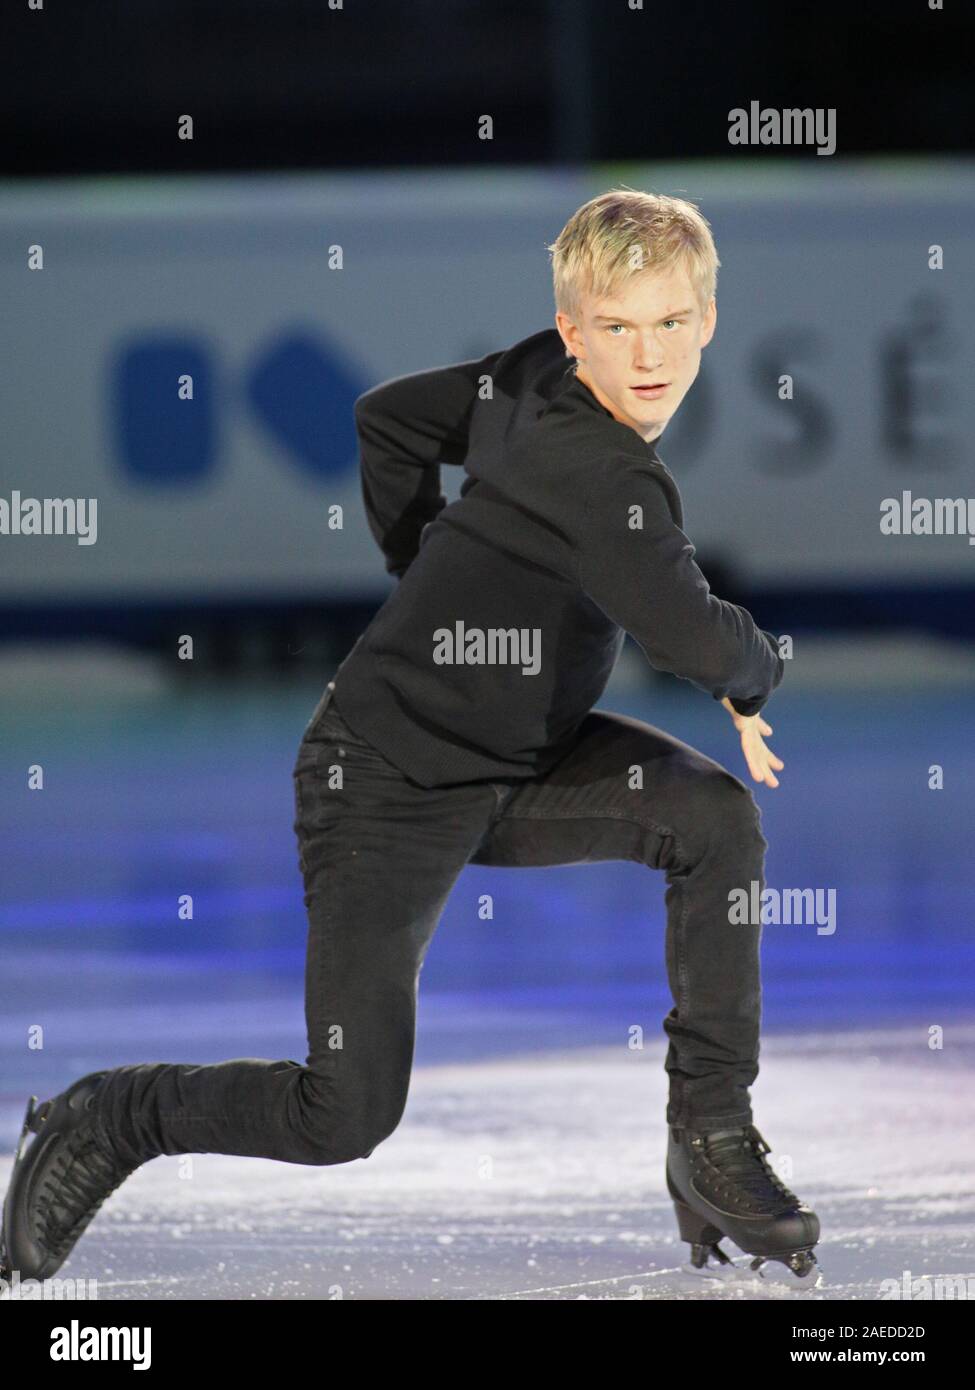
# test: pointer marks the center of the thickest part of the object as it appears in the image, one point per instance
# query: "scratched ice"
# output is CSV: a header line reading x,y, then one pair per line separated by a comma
x,y
541,1177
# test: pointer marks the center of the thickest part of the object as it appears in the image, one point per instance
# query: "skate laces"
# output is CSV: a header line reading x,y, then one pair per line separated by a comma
x,y
741,1157
82,1175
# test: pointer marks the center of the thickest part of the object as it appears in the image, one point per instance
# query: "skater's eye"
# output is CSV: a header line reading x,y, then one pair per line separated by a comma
x,y
611,326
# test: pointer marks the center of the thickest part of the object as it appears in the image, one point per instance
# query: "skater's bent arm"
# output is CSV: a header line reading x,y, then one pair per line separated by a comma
x,y
637,564
407,427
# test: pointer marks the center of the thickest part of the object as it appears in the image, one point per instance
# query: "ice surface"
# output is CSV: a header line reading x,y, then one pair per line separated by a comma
x,y
541,1177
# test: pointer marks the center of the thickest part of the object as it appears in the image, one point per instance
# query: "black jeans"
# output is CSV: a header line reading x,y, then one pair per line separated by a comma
x,y
380,854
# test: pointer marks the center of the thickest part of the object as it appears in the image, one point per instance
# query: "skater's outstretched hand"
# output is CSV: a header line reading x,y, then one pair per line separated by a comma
x,y
760,759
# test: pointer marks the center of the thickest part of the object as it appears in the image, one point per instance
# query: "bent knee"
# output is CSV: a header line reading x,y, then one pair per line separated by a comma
x,y
722,806
341,1147
334,1131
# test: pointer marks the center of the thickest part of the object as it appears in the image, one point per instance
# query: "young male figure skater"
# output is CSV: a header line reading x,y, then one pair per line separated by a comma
x,y
460,729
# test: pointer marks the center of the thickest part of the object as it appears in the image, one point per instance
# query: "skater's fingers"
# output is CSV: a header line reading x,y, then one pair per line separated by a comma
x,y
755,766
760,762
770,778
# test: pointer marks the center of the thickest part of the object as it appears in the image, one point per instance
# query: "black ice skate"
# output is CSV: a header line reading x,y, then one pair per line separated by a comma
x,y
722,1185
59,1182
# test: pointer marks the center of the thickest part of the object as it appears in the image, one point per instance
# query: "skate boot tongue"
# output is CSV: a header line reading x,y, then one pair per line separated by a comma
x,y
738,1154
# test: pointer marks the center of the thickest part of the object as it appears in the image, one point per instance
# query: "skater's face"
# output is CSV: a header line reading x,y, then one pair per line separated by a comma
x,y
649,335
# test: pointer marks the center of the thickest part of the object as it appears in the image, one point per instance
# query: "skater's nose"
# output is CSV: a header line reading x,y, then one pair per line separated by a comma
x,y
649,353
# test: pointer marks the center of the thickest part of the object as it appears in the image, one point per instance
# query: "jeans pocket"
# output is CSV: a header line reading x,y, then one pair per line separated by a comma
x,y
337,745
333,741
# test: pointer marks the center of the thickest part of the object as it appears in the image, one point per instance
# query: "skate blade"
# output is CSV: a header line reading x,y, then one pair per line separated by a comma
x,y
754,1271
25,1130
719,1274
775,1272
6,1271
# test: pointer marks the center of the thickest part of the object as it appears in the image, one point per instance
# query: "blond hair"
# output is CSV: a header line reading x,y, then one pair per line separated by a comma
x,y
625,232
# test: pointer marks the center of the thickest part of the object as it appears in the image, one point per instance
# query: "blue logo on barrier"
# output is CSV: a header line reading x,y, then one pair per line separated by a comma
x,y
299,389
162,438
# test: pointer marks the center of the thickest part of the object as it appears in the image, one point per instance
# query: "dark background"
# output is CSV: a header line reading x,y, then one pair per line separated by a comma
x,y
292,84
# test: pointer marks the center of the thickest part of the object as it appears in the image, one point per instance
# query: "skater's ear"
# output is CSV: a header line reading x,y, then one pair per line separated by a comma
x,y
708,322
571,334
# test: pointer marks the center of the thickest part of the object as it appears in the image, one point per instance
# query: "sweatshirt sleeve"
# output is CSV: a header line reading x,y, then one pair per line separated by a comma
x,y
406,428
646,580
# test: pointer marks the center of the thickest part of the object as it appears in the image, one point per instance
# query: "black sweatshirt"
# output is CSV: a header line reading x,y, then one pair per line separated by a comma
x,y
514,600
